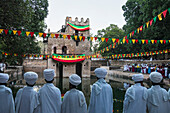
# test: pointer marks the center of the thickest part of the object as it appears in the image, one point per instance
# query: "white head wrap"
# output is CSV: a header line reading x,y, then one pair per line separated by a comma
x,y
74,79
137,77
49,74
155,77
100,72
4,77
30,77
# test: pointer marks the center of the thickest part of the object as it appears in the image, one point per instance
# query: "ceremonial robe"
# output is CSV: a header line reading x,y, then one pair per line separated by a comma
x,y
6,100
101,99
74,102
50,99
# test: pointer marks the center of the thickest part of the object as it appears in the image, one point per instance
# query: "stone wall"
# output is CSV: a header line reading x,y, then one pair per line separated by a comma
x,y
98,63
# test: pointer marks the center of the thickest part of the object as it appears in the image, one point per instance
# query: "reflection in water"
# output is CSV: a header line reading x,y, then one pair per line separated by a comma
x,y
63,85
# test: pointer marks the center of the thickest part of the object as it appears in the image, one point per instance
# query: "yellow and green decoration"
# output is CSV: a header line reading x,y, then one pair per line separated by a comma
x,y
68,58
79,28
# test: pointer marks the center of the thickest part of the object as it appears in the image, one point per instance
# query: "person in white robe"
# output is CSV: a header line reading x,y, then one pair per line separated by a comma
x,y
49,95
26,100
136,96
101,99
157,97
6,98
74,100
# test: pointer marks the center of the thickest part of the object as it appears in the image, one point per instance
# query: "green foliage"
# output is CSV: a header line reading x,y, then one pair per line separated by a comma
x,y
137,13
24,15
113,31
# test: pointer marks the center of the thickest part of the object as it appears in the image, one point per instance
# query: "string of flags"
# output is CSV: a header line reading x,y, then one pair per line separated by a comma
x,y
75,37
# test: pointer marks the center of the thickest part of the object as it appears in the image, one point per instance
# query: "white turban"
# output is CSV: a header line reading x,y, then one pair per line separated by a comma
x,y
30,77
137,77
4,77
155,77
74,79
49,74
100,72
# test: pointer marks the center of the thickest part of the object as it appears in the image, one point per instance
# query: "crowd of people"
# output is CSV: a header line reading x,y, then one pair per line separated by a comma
x,y
138,99
148,68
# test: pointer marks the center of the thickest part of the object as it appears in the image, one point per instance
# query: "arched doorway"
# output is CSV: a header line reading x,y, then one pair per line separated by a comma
x,y
55,50
64,50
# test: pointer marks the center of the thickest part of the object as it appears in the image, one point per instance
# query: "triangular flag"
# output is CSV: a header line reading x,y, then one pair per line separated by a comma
x,y
14,31
124,40
136,40
64,36
141,27
132,33
23,33
117,40
146,41
154,19
84,38
36,34
138,30
48,35
155,41
102,39
88,38
169,41
143,41
164,41
169,10
161,41
52,35
10,31
147,24
99,38
27,33
160,17
130,41
113,39
91,38
80,37
32,33
68,36
40,34
152,41
60,35
164,13
95,38
106,39
127,41
75,37
1,30
6,31
144,26
133,40
151,22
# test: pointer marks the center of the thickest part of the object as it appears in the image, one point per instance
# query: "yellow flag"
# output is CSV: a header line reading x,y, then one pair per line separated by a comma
x,y
169,41
147,24
64,36
113,39
102,39
133,40
75,37
130,35
1,30
161,41
152,41
40,34
159,16
80,37
14,31
52,35
27,33
143,41
138,30
123,40
91,38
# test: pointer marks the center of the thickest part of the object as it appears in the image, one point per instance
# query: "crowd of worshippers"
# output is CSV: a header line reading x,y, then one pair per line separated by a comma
x,y
148,68
138,99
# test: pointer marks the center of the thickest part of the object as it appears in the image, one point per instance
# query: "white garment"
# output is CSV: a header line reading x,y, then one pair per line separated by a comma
x,y
135,99
125,67
26,100
50,99
101,99
2,66
166,71
74,102
158,100
6,100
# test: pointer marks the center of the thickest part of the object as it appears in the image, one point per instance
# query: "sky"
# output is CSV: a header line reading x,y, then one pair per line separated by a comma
x,y
101,13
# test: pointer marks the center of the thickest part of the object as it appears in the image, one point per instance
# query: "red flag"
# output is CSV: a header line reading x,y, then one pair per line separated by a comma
x,y
83,38
19,32
44,34
136,40
155,41
68,36
95,38
127,41
106,39
164,41
164,13
151,22
6,31
146,41
125,37
132,33
141,28
32,33
117,40
56,35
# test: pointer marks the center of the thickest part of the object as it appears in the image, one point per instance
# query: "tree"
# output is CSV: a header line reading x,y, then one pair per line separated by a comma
x,y
137,13
24,15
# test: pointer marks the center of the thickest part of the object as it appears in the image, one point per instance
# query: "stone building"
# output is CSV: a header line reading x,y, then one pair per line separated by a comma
x,y
61,46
